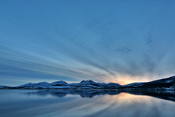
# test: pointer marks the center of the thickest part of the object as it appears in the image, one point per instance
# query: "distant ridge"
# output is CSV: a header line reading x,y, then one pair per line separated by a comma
x,y
161,83
166,83
85,84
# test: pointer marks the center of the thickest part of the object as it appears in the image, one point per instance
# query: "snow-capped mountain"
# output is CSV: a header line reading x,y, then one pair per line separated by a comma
x,y
45,85
85,84
89,84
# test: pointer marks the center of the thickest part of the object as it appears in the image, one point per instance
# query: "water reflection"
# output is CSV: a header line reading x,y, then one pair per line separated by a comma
x,y
89,93
83,103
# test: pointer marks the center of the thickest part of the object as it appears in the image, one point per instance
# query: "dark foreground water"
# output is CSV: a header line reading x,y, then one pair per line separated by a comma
x,y
47,103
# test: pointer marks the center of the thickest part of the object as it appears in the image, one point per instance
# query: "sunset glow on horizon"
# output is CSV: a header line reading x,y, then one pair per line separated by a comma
x,y
126,79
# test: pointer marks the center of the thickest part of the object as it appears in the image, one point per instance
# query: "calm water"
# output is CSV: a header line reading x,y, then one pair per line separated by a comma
x,y
39,103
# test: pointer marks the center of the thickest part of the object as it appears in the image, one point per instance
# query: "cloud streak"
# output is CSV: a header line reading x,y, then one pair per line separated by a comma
x,y
86,41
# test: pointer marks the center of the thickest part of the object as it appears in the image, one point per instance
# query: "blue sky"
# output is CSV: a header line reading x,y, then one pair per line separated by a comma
x,y
74,40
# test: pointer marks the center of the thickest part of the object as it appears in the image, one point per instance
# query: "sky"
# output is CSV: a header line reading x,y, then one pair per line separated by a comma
x,y
102,40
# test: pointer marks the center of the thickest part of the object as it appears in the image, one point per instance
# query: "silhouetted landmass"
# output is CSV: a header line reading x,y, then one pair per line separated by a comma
x,y
166,83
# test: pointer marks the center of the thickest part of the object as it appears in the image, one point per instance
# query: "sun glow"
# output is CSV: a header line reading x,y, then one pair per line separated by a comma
x,y
126,79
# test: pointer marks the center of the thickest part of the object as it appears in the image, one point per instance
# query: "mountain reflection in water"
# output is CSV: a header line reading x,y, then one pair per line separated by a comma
x,y
89,93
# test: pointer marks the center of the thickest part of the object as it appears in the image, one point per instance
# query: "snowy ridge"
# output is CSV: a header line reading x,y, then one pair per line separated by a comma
x,y
85,84
166,83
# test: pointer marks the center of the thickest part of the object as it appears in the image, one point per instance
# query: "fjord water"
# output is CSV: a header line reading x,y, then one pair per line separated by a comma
x,y
34,103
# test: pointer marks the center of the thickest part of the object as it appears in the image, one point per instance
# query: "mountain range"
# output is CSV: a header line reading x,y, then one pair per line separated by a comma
x,y
85,84
165,83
